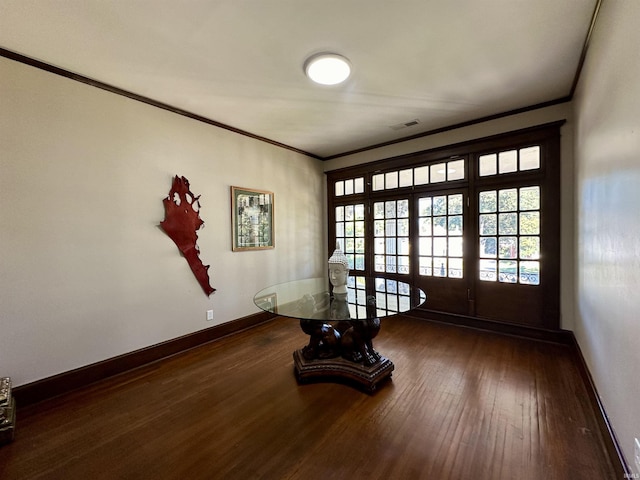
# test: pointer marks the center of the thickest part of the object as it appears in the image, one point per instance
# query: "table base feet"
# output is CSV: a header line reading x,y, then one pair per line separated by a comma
x,y
340,370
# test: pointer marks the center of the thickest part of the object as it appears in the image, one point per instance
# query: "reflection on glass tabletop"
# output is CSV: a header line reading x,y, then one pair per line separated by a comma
x,y
366,297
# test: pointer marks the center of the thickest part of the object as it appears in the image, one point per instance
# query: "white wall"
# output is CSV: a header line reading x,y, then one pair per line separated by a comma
x,y
85,273
607,136
507,124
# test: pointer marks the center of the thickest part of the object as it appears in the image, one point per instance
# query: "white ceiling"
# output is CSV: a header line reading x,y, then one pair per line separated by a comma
x,y
239,62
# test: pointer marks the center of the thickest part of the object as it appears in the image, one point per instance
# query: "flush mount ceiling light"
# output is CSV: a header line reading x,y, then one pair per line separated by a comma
x,y
327,68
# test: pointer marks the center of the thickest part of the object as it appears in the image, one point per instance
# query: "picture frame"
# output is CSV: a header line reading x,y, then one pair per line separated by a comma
x,y
252,219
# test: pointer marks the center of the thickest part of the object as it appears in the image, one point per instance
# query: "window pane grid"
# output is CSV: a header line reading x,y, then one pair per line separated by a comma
x,y
350,234
509,231
440,231
391,236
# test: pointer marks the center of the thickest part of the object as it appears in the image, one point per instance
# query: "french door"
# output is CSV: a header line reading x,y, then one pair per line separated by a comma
x,y
441,267
478,230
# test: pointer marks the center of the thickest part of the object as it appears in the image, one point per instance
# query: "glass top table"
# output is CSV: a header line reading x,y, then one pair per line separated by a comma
x,y
365,298
341,326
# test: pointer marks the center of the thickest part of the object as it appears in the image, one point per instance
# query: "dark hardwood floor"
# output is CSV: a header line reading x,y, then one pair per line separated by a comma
x,y
461,404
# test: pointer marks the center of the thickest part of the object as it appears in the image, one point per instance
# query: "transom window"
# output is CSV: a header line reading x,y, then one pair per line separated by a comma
x,y
509,161
349,186
422,175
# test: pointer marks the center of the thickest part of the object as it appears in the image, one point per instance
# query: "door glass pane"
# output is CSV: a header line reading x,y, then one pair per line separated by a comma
x,y
349,229
350,234
349,212
440,230
403,227
440,205
488,201
403,246
455,247
350,245
424,207
455,268
507,271
403,209
488,247
530,248
440,226
530,273
488,224
508,200
516,240
440,246
508,223
390,209
425,246
390,246
530,198
425,266
391,236
530,223
425,226
508,247
455,204
488,270
455,225
390,228
378,246
378,210
439,267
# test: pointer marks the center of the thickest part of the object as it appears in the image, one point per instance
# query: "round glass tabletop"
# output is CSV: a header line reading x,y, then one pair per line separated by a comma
x,y
366,298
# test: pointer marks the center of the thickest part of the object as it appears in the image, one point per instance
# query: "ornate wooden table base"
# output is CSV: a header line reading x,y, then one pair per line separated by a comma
x,y
342,351
341,324
339,369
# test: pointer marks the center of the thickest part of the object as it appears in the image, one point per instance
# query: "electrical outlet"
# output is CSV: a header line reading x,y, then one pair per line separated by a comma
x,y
637,454
209,315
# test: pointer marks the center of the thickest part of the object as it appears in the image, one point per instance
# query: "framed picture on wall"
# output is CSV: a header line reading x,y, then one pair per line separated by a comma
x,y
252,217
